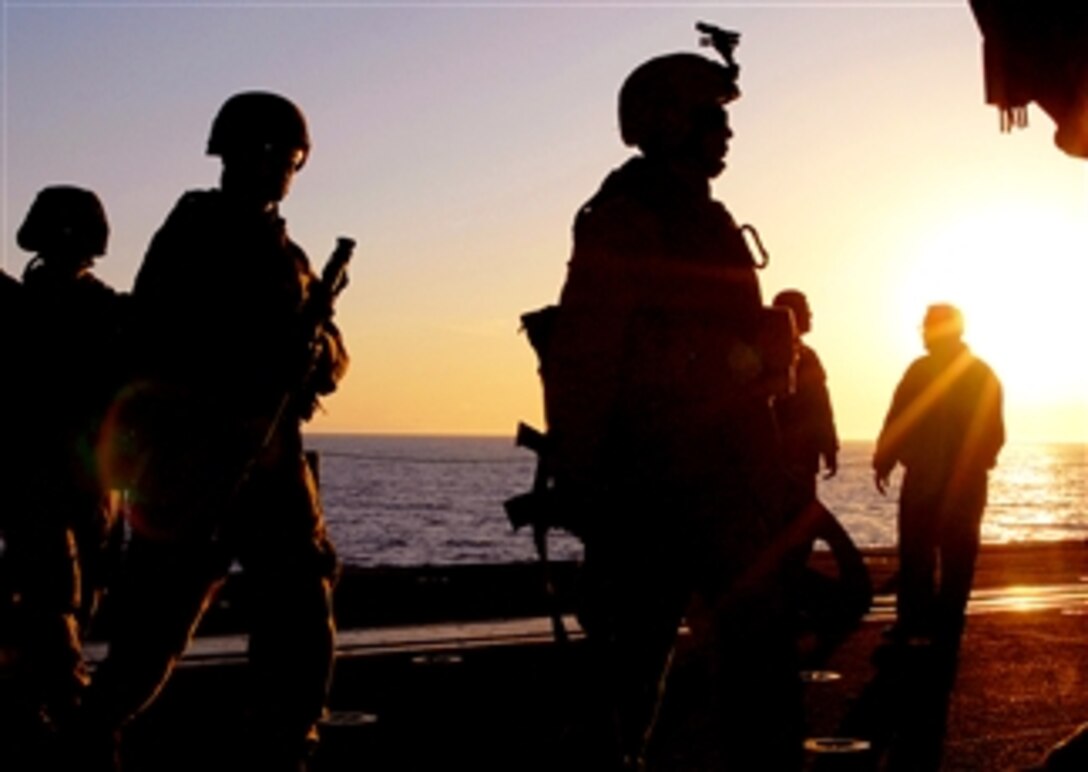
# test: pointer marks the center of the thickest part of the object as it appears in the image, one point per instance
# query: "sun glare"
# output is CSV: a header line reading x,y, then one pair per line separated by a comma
x,y
1019,275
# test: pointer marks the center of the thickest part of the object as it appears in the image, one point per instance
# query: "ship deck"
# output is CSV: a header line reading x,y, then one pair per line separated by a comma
x,y
492,690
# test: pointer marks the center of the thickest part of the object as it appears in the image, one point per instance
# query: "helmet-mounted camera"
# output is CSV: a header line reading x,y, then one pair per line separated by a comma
x,y
659,97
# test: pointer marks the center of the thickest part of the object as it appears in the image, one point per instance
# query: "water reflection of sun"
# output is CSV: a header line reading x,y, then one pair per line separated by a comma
x,y
1019,275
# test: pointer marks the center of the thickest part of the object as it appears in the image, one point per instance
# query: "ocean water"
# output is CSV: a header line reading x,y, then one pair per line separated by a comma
x,y
402,501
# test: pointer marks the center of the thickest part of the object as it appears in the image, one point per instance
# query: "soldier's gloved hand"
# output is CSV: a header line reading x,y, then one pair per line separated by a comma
x,y
319,304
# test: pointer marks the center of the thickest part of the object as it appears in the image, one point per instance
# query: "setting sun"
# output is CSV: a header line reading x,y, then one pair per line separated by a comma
x,y
1018,273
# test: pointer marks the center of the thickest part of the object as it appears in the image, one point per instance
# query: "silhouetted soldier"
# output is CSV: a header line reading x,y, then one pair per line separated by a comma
x,y
945,427
657,395
11,319
9,289
11,316
806,425
70,330
806,421
222,337
9,296
12,739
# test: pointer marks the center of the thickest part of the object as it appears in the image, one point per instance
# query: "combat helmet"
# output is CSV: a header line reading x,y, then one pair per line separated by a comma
x,y
258,118
67,220
658,99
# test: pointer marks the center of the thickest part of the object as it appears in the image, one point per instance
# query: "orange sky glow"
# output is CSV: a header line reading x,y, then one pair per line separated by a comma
x,y
455,144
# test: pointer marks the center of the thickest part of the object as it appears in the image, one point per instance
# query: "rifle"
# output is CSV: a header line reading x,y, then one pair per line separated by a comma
x,y
152,440
539,507
535,508
315,309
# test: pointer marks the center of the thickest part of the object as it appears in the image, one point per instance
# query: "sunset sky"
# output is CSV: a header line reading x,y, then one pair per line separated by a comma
x,y
455,141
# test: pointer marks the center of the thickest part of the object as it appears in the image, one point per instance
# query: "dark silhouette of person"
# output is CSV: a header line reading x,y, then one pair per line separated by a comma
x,y
806,425
10,295
806,420
70,326
14,709
945,426
9,290
11,318
222,334
657,401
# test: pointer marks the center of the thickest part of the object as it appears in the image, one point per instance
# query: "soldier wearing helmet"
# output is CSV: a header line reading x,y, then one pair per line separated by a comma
x,y
673,106
221,338
65,377
255,119
658,412
263,141
11,302
65,223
